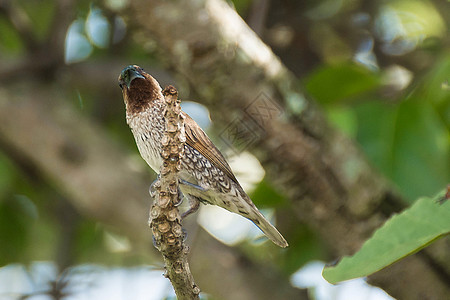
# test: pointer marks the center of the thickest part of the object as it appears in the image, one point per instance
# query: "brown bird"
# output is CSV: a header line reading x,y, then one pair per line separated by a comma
x,y
205,175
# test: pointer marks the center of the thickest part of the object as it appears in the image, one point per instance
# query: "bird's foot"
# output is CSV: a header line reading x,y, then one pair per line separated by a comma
x,y
192,185
153,186
180,198
194,204
195,195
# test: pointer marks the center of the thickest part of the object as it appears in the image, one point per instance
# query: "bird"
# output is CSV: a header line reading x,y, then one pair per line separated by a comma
x,y
205,176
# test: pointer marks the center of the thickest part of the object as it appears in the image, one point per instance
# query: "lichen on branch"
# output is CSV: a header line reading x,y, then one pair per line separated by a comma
x,y
165,219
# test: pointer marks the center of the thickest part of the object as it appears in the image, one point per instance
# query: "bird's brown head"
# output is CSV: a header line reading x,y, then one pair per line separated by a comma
x,y
139,89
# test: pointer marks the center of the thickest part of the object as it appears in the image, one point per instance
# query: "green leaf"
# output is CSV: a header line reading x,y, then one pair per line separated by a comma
x,y
403,234
407,142
331,84
436,88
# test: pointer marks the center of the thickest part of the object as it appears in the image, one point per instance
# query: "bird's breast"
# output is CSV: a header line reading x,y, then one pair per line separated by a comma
x,y
148,129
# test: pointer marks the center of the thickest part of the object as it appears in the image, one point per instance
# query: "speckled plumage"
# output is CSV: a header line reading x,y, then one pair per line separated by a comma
x,y
202,165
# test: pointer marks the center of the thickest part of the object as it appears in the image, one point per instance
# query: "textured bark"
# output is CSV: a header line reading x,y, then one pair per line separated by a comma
x,y
165,219
50,140
329,182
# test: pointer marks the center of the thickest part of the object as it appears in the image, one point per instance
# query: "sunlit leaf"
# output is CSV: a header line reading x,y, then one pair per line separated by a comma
x,y
78,47
98,28
343,118
409,19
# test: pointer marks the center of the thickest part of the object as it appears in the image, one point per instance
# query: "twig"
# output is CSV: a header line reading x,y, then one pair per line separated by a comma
x,y
165,219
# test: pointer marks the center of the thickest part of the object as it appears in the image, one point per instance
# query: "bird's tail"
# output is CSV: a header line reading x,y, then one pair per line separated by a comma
x,y
241,204
269,230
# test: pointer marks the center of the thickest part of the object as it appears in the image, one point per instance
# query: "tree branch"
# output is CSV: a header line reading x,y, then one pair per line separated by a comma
x,y
165,219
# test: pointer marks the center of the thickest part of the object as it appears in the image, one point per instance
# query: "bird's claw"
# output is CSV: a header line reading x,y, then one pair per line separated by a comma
x,y
194,204
180,197
153,186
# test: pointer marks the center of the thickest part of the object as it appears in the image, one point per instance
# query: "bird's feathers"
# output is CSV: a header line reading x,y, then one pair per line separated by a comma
x,y
197,139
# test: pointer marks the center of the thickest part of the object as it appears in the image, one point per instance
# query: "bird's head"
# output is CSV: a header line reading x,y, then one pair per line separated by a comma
x,y
139,89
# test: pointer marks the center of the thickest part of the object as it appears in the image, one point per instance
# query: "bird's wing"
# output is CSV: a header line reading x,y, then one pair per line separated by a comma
x,y
197,139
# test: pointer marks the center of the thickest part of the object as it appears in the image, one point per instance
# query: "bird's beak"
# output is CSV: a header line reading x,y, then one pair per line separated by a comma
x,y
128,75
133,75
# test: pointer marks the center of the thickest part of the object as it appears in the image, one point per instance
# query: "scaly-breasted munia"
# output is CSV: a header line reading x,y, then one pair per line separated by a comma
x,y
205,175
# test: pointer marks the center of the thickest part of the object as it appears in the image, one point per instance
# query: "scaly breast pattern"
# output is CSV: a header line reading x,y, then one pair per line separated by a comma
x,y
148,127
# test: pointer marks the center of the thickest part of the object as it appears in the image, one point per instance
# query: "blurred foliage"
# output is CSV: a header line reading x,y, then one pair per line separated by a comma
x,y
304,246
267,196
341,51
40,15
343,83
408,142
407,138
10,42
